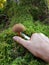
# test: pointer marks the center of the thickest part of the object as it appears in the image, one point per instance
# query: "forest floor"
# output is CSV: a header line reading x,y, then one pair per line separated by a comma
x,y
12,53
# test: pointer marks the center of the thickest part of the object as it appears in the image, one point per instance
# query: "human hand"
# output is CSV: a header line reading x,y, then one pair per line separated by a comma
x,y
38,45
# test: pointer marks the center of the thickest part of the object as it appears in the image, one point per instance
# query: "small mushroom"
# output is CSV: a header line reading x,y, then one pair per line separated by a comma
x,y
19,28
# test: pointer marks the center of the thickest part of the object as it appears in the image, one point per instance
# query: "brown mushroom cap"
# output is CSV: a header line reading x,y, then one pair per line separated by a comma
x,y
18,28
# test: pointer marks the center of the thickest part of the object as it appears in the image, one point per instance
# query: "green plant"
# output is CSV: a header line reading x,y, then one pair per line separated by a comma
x,y
19,61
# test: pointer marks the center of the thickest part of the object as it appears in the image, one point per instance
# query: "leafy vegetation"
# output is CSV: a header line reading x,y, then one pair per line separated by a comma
x,y
11,53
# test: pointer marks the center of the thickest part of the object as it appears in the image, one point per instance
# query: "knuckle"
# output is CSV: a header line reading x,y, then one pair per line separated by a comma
x,y
35,34
41,33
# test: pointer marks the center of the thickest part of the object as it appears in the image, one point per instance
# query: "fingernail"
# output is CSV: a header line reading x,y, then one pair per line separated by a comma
x,y
14,37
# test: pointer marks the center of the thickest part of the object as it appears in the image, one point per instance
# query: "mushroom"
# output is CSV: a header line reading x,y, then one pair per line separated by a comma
x,y
19,28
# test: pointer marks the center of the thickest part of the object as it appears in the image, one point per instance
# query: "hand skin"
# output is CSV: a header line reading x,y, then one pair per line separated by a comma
x,y
38,45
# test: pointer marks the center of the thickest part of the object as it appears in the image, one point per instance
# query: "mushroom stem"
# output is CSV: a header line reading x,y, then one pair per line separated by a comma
x,y
18,33
25,36
19,28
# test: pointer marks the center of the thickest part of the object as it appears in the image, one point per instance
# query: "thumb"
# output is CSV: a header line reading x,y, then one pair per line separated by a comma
x,y
21,41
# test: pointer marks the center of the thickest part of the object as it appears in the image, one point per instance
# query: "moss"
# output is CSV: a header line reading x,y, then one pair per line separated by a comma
x,y
14,50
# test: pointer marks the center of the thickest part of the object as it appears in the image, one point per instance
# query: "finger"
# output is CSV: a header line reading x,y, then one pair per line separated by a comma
x,y
21,41
44,37
34,35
